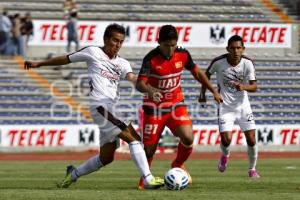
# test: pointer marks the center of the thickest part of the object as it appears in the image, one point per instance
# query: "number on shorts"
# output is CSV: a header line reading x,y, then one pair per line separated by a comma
x,y
250,117
150,128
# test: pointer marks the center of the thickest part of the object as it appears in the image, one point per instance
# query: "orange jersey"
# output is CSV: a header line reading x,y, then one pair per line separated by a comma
x,y
165,74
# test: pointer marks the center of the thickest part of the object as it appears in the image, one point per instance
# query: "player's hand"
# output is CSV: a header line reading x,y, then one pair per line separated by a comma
x,y
218,97
155,96
202,98
31,64
238,86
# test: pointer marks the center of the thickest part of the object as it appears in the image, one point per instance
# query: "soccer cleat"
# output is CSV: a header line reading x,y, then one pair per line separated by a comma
x,y
253,173
223,163
185,169
67,181
189,177
155,183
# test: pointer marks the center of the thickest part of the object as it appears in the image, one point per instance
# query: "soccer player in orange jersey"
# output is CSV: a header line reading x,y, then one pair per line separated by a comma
x,y
159,79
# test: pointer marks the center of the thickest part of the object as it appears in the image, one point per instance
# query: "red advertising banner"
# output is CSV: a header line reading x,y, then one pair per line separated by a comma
x,y
145,34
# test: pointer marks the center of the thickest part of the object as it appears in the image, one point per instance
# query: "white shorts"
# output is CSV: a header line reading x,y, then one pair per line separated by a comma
x,y
241,114
105,116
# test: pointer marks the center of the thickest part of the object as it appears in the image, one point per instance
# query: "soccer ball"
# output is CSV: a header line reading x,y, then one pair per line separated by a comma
x,y
176,179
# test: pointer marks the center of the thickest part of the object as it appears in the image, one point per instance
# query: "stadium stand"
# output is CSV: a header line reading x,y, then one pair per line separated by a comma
x,y
154,10
292,9
24,101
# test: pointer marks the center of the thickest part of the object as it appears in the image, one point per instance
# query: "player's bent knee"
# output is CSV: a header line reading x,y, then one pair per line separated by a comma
x,y
188,142
105,160
251,143
226,142
187,139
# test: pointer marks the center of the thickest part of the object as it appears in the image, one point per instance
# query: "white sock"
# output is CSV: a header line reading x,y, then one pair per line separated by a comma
x,y
139,157
252,155
225,150
91,165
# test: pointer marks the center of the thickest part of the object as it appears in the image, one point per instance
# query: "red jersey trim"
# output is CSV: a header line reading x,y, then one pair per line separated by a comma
x,y
142,78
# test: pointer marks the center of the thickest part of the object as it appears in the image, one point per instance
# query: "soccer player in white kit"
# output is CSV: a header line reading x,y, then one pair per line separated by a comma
x,y
105,69
235,77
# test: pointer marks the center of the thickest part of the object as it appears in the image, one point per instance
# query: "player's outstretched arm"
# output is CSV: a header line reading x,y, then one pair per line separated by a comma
x,y
202,96
131,77
60,60
200,76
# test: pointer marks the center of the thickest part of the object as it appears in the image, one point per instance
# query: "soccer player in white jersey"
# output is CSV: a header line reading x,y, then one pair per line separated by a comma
x,y
235,77
105,70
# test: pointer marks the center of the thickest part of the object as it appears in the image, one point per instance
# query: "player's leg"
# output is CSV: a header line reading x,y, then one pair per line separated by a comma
x,y
91,165
184,148
138,155
252,153
181,126
112,128
226,118
117,128
224,146
153,127
76,43
247,125
68,48
185,145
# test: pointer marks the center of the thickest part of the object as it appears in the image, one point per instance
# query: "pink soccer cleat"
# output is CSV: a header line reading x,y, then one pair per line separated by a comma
x,y
253,173
223,163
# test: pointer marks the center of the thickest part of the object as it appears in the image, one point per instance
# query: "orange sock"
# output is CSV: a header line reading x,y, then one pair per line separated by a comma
x,y
183,154
149,161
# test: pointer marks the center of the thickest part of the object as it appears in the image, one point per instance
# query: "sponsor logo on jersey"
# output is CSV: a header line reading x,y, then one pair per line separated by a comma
x,y
250,117
178,64
110,76
168,83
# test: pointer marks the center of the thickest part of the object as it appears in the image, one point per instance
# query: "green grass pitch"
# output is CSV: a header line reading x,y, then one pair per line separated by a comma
x,y
36,180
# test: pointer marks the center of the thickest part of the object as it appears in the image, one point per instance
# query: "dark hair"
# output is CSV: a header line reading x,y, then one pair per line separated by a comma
x,y
73,14
235,38
167,32
113,28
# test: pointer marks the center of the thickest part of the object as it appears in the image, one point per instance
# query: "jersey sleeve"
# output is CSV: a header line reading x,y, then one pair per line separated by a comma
x,y
145,69
212,68
126,68
250,72
83,55
189,63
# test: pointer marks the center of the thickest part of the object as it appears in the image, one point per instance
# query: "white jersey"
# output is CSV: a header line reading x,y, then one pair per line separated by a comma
x,y
227,75
104,73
